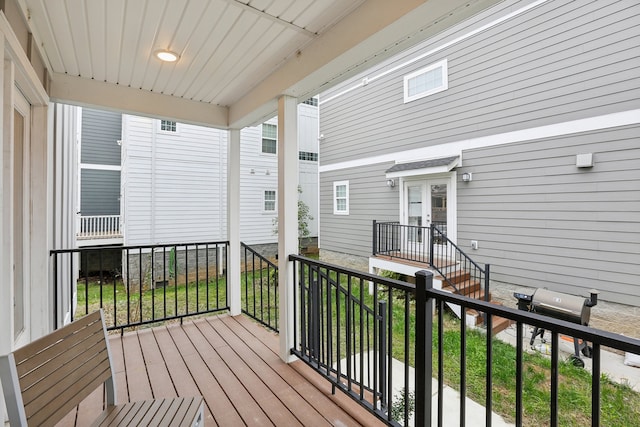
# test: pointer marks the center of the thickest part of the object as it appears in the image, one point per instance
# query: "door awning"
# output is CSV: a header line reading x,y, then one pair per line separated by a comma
x,y
423,167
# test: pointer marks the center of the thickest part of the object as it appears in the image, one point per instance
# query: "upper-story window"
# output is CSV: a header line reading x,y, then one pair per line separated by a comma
x,y
269,138
168,126
425,82
308,156
311,101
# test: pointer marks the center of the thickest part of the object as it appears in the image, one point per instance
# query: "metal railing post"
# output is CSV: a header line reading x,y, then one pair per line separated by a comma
x,y
314,324
55,293
374,239
431,245
382,352
487,297
424,339
486,282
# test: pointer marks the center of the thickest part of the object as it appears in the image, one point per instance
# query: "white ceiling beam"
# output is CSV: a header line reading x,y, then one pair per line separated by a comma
x,y
85,92
371,33
272,18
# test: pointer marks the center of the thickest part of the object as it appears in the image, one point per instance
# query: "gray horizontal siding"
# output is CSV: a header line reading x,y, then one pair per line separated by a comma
x,y
101,131
558,62
369,199
543,222
100,192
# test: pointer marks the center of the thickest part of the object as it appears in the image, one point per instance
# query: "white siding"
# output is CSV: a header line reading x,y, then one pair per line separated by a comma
x,y
174,185
258,173
308,141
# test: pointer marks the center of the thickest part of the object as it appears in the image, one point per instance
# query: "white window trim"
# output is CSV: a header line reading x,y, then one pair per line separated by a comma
x,y
445,81
168,132
264,200
336,184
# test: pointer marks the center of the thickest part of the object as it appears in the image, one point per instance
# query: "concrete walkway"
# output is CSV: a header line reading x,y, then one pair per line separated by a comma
x,y
475,412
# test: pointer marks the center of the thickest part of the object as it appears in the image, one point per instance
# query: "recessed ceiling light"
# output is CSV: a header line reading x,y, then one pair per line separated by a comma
x,y
166,55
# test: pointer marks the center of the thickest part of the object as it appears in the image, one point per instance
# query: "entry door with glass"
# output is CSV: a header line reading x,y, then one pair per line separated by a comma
x,y
426,205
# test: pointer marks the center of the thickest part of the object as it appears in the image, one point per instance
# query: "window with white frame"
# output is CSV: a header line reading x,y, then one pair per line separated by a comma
x,y
308,156
341,198
269,138
311,101
425,82
168,126
269,200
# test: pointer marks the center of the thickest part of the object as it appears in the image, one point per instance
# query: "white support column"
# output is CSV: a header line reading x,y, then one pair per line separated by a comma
x,y
40,222
287,216
6,208
5,204
233,221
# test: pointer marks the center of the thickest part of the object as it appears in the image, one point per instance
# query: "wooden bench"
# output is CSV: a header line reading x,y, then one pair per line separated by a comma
x,y
43,381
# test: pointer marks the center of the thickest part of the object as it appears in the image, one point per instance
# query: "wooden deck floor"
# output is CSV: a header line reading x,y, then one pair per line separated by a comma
x,y
233,363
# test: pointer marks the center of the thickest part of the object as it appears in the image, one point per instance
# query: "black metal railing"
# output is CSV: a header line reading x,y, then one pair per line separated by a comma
x,y
138,285
342,333
431,246
456,268
259,288
346,322
407,242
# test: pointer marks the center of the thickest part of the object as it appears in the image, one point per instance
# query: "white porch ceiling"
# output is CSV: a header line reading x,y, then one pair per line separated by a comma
x,y
236,56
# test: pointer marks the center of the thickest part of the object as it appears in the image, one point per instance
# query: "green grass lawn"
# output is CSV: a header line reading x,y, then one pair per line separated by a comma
x,y
163,302
620,404
175,299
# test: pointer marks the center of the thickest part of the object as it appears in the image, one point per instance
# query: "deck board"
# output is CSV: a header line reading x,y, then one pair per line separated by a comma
x,y
138,384
233,363
159,378
244,404
186,385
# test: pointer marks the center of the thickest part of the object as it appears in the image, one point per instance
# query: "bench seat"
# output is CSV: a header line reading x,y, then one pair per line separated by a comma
x,y
157,412
45,379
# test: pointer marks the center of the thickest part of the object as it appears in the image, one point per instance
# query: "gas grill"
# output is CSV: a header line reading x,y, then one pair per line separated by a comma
x,y
567,307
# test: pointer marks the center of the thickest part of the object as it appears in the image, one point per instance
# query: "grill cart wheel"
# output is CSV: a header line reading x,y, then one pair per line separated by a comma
x,y
576,361
587,351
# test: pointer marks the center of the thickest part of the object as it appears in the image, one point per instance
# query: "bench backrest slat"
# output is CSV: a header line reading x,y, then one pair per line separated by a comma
x,y
48,349
58,371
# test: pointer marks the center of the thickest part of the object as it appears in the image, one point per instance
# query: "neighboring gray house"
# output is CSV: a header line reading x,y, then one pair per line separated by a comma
x,y
170,186
537,105
99,182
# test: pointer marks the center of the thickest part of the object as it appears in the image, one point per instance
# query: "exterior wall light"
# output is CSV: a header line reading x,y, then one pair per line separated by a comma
x,y
391,183
166,55
467,177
